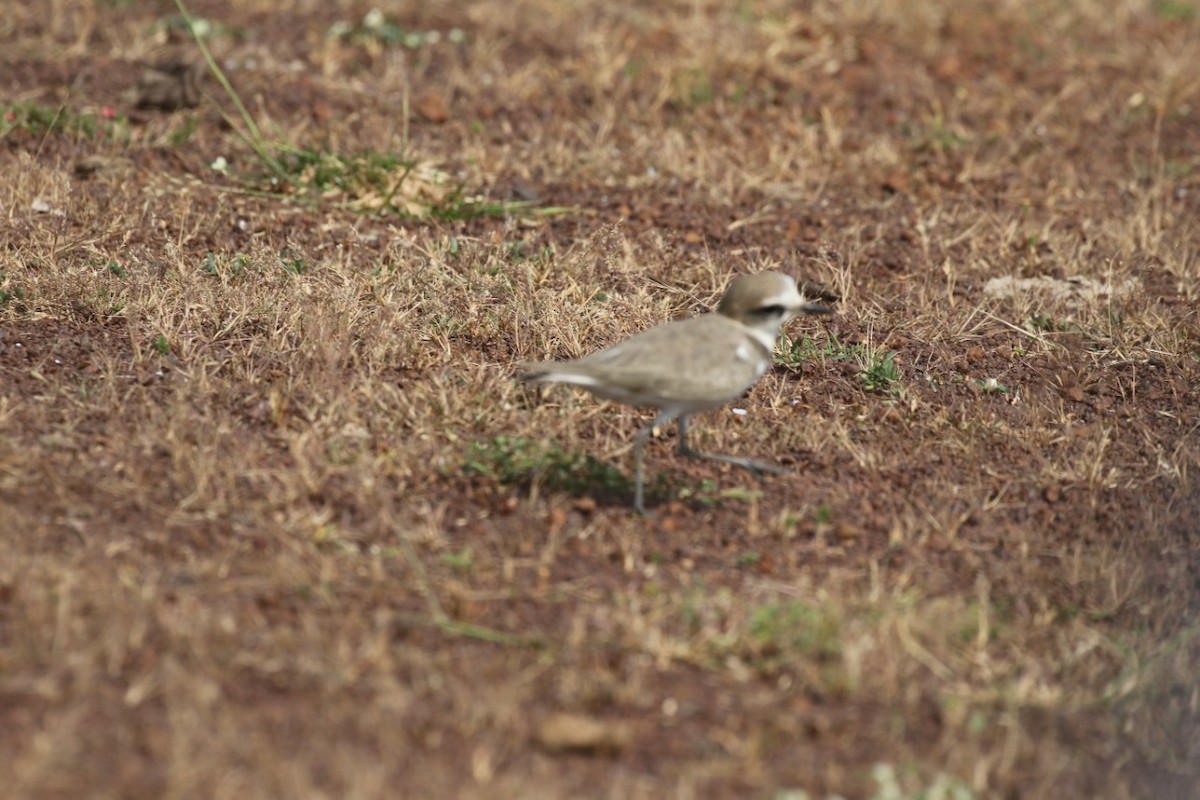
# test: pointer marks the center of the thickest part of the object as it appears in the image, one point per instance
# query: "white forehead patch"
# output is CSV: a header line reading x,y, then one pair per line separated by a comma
x,y
787,299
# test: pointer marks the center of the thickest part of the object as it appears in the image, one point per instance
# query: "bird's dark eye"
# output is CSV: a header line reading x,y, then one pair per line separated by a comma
x,y
769,311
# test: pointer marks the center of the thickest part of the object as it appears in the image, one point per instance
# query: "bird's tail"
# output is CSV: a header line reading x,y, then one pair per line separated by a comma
x,y
535,371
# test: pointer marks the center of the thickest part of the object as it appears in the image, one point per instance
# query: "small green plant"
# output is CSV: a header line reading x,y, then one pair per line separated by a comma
x,y
458,206
9,292
184,134
377,183
699,88
460,561
292,264
514,460
749,558
795,352
706,493
1041,322
793,627
799,351
368,181
225,267
161,345
356,173
977,722
936,138
41,120
709,493
1175,10
880,373
878,368
741,493
102,305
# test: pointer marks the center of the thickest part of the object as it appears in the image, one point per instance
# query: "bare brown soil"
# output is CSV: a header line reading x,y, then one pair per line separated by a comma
x,y
277,522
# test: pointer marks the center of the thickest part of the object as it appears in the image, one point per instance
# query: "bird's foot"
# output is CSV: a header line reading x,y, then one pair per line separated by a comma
x,y
753,466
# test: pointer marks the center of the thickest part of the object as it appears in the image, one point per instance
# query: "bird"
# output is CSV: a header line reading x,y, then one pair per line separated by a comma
x,y
687,366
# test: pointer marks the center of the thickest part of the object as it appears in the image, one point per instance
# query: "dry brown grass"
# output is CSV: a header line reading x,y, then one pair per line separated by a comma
x,y
278,523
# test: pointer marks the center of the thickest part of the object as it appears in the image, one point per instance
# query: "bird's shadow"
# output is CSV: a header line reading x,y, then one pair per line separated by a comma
x,y
526,463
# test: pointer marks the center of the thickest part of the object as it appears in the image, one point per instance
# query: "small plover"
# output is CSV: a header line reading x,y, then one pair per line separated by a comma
x,y
691,365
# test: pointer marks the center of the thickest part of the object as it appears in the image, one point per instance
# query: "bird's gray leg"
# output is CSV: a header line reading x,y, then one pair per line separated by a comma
x,y
748,464
683,445
639,442
638,471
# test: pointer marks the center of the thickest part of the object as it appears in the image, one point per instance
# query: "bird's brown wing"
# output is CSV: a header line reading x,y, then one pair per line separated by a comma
x,y
695,360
